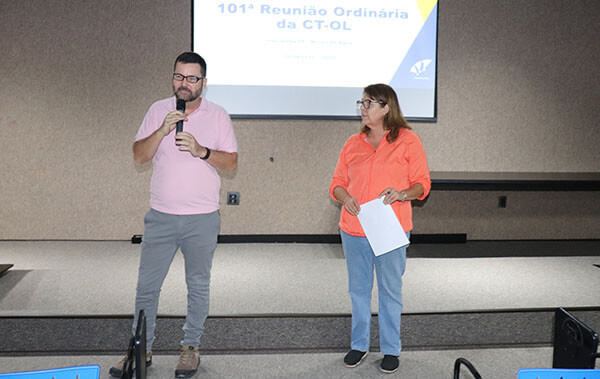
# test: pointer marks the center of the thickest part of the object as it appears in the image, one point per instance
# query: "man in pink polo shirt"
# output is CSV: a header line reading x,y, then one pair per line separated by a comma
x,y
184,201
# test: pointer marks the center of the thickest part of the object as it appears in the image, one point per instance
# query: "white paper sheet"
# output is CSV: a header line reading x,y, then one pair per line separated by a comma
x,y
381,226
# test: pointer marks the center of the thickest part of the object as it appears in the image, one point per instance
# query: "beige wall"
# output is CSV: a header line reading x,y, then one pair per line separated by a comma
x,y
519,88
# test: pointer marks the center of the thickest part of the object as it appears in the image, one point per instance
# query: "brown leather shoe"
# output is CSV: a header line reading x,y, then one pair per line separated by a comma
x,y
117,369
189,361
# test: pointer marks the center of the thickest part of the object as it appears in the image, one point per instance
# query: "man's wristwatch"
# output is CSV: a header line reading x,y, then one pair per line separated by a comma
x,y
205,157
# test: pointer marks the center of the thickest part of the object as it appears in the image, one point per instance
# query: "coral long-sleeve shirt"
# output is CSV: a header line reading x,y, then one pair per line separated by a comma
x,y
364,173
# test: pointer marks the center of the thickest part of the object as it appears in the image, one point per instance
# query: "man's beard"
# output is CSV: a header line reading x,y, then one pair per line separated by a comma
x,y
186,94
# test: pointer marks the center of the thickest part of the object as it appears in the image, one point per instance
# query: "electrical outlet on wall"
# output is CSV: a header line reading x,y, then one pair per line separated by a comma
x,y
233,198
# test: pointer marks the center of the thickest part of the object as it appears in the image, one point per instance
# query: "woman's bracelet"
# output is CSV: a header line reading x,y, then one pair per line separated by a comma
x,y
404,196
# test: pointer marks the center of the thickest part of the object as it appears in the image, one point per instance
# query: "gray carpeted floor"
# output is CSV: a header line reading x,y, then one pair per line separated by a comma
x,y
491,364
99,278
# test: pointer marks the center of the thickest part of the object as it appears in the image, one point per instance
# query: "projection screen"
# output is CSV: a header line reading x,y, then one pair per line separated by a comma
x,y
302,59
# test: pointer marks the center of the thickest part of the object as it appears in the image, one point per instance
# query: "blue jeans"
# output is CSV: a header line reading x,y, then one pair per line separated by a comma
x,y
164,233
389,268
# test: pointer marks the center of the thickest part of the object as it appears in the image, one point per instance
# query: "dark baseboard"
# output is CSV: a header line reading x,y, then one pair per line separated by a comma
x,y
320,238
279,238
330,238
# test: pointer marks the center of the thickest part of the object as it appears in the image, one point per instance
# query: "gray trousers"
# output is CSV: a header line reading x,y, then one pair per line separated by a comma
x,y
164,233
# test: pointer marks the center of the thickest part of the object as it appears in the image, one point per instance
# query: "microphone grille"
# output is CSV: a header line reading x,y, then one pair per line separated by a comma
x,y
181,105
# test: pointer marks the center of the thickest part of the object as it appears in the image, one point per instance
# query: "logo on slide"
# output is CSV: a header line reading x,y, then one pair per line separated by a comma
x,y
420,67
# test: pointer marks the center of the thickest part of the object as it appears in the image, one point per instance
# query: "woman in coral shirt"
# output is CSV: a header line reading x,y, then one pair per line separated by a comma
x,y
386,159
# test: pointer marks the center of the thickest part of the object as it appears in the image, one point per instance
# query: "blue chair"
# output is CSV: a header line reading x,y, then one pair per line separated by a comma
x,y
558,373
77,372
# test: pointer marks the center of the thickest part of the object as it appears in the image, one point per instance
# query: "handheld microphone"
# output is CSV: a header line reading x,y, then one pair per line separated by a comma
x,y
180,108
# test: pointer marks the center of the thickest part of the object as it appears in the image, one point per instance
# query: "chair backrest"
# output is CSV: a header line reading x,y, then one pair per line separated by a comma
x,y
76,372
558,373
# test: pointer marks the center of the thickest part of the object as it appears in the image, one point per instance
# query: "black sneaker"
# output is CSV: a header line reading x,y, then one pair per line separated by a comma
x,y
389,364
354,358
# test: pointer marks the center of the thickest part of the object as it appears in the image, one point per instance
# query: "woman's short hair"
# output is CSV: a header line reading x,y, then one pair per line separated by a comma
x,y
393,120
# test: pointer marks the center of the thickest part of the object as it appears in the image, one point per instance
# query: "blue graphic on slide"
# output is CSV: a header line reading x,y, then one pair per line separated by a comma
x,y
417,70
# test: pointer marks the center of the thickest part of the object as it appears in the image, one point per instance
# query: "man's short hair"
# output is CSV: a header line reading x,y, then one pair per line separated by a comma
x,y
191,57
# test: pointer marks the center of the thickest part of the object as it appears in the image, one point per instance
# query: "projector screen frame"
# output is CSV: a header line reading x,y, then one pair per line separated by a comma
x,y
432,119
